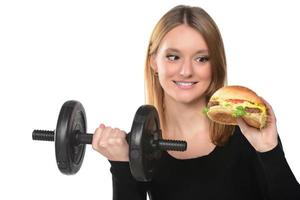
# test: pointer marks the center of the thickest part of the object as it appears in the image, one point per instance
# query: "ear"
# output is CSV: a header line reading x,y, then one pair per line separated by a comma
x,y
153,63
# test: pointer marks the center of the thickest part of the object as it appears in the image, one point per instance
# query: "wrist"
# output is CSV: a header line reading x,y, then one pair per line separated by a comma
x,y
267,147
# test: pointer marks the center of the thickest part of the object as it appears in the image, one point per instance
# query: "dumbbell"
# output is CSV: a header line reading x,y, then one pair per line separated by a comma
x,y
145,140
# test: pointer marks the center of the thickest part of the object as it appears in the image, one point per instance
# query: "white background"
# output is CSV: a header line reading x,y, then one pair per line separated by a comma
x,y
94,52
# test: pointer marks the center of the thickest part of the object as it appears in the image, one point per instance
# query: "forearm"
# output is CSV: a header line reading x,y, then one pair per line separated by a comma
x,y
281,182
124,185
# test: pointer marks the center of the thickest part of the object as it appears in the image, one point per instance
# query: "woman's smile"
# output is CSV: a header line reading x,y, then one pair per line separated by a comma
x,y
185,84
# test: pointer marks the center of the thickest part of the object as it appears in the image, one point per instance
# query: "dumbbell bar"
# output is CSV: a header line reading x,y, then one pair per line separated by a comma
x,y
145,140
87,138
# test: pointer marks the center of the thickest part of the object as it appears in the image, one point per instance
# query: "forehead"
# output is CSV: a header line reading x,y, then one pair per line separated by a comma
x,y
184,38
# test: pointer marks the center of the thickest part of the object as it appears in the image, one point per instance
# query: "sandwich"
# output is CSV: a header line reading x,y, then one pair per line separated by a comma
x,y
231,102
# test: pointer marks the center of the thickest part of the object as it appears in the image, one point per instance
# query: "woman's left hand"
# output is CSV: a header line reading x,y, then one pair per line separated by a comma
x,y
264,139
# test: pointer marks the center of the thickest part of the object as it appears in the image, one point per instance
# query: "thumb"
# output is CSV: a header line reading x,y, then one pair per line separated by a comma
x,y
242,124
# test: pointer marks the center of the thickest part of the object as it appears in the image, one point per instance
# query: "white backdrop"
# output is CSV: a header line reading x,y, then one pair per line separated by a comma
x,y
94,52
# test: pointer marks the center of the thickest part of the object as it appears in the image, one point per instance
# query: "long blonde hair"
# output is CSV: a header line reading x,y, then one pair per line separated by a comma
x,y
198,19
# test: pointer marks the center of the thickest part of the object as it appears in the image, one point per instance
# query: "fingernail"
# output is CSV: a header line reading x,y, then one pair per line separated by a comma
x,y
102,126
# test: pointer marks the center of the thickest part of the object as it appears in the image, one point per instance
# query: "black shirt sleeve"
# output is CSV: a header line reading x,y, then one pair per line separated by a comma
x,y
281,182
124,185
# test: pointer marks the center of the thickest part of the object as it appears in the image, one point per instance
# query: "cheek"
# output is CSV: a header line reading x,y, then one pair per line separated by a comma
x,y
166,69
205,73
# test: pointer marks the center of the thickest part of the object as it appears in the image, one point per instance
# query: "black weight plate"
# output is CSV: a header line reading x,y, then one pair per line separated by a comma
x,y
142,155
69,154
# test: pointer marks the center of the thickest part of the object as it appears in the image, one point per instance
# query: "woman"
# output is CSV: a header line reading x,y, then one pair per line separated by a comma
x,y
185,65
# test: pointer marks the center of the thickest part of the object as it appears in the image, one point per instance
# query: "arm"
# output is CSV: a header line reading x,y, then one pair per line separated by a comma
x,y
111,143
281,182
124,185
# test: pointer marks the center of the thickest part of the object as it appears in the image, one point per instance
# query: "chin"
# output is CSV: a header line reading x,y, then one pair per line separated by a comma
x,y
187,99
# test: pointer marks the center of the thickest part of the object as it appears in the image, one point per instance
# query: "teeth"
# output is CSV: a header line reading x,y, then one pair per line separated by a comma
x,y
184,83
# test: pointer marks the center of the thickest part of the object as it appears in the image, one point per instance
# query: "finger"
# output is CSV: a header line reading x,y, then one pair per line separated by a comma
x,y
242,124
269,107
120,133
104,137
102,125
115,133
96,136
118,137
271,115
123,134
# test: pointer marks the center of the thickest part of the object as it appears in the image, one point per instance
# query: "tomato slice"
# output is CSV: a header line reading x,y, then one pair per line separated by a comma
x,y
236,100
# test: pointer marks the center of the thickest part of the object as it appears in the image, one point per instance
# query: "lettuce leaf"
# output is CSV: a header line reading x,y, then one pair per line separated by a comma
x,y
239,112
205,110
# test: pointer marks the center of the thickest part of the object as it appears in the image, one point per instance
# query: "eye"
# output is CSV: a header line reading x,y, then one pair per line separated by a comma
x,y
172,57
202,59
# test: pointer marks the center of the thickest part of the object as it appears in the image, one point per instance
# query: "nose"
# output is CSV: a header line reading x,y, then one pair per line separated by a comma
x,y
186,69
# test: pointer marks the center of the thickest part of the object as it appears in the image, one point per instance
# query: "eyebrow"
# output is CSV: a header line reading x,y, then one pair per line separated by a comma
x,y
197,52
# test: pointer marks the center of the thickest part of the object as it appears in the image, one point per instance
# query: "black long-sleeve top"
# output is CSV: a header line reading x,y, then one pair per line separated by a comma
x,y
233,171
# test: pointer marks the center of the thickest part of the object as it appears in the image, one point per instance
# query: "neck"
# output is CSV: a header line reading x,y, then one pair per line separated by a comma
x,y
185,120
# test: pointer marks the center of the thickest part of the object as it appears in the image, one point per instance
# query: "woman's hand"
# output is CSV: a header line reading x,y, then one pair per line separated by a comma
x,y
265,139
111,143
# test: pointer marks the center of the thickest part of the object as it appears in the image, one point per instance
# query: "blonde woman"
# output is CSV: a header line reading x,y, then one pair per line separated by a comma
x,y
185,65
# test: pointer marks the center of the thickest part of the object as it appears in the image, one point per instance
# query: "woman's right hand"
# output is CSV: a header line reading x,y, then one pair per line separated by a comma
x,y
111,143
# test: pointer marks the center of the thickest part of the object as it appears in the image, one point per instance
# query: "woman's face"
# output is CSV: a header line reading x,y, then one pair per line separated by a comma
x,y
182,63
